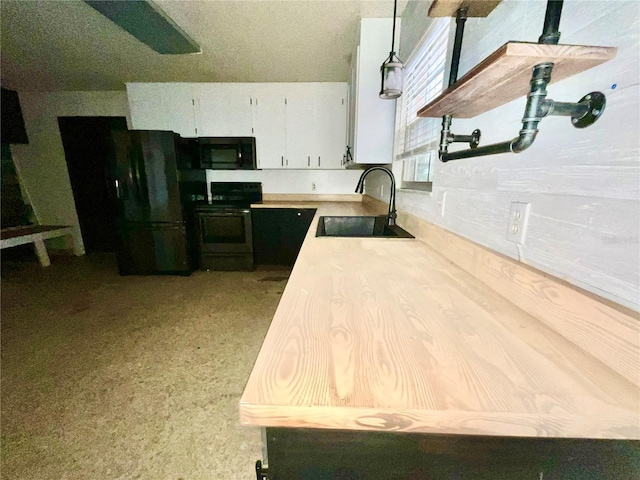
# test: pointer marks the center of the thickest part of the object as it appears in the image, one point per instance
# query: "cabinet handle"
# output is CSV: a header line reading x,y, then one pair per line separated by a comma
x,y
282,161
318,161
309,161
287,162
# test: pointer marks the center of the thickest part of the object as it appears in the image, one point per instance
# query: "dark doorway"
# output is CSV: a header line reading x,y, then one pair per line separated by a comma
x,y
88,148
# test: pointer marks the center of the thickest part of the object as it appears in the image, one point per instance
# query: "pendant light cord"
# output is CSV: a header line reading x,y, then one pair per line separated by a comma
x,y
393,34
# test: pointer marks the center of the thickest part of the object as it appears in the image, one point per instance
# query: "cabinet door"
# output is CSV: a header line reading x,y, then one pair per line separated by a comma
x,y
296,225
269,127
162,106
179,107
300,116
224,111
329,126
278,234
146,106
267,227
352,97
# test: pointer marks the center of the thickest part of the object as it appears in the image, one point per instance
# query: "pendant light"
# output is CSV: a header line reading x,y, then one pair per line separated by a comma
x,y
392,68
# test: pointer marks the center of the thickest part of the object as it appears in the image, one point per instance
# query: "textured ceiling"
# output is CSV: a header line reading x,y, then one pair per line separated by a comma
x,y
67,45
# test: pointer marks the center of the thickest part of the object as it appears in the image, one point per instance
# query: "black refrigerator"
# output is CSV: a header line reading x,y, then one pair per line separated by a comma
x,y
151,223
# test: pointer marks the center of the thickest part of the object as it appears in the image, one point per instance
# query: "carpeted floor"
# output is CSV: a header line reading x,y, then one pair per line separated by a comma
x,y
109,377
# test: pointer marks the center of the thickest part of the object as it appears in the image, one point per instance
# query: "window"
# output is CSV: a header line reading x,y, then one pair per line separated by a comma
x,y
417,138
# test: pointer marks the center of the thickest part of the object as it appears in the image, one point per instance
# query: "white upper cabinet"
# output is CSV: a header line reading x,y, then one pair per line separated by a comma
x,y
352,99
371,119
300,125
329,125
269,126
179,104
146,106
296,125
163,106
224,110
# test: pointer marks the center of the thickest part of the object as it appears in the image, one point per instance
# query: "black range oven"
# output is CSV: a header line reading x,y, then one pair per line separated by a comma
x,y
225,240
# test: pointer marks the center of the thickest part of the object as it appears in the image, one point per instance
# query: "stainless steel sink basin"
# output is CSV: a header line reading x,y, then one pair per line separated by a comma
x,y
359,227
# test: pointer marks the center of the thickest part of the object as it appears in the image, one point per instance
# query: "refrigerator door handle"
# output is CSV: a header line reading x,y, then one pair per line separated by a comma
x,y
134,172
145,186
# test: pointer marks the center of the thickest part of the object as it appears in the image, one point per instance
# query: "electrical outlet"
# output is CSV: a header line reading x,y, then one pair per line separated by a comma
x,y
441,202
313,186
518,220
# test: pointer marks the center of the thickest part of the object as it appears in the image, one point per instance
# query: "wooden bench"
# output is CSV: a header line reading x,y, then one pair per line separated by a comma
x,y
37,234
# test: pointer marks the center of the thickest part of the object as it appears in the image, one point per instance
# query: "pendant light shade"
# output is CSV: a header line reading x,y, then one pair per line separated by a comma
x,y
392,70
392,77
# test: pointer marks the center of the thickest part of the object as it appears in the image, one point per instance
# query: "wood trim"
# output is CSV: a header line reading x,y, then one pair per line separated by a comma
x,y
603,329
448,8
617,424
505,75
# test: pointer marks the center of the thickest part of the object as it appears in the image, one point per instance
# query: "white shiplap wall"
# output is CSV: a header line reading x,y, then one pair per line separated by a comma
x,y
583,185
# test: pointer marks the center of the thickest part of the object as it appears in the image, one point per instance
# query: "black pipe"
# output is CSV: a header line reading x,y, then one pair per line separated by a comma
x,y
537,106
536,109
573,110
550,34
473,140
504,147
444,135
461,18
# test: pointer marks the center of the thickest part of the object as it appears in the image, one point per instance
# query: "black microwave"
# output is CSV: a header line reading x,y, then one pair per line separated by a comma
x,y
227,153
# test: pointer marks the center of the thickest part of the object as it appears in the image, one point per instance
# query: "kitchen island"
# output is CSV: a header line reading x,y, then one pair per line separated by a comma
x,y
386,357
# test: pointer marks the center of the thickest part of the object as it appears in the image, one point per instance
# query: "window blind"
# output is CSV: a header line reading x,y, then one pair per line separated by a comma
x,y
424,80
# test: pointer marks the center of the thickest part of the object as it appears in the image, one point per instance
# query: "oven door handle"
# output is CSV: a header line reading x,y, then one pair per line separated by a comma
x,y
224,214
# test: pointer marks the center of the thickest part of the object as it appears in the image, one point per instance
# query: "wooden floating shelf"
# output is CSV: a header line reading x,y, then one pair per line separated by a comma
x,y
476,8
505,75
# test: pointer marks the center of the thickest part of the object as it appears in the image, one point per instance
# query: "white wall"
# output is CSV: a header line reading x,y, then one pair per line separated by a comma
x,y
41,163
583,185
292,181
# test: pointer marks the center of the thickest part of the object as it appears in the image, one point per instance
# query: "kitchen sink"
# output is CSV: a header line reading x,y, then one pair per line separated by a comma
x,y
359,227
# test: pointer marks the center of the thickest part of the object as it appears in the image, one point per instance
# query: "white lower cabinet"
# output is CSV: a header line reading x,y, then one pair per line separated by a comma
x,y
296,125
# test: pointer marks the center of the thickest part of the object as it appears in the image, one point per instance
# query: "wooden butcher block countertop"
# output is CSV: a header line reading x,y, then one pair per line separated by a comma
x,y
389,335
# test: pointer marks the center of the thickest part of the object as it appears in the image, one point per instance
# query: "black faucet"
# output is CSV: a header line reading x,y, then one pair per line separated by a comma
x,y
391,217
